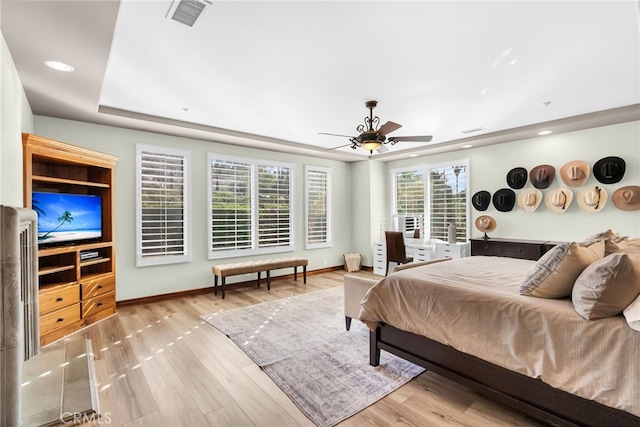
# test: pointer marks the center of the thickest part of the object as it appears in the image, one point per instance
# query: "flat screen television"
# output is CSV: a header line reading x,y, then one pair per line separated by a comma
x,y
65,218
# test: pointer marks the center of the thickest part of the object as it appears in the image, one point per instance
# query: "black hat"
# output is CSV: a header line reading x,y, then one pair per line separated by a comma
x,y
517,178
481,200
504,199
609,170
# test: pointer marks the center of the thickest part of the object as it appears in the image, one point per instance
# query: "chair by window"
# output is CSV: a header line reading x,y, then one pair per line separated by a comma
x,y
396,251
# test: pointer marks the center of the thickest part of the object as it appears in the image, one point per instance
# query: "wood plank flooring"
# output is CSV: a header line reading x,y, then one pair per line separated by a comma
x,y
159,364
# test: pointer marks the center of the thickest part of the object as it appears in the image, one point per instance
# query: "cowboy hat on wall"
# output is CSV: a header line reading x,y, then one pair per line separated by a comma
x,y
529,199
592,199
558,200
627,198
575,173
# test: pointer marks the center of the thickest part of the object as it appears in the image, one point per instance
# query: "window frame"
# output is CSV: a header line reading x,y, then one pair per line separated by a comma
x,y
254,248
328,242
426,215
150,260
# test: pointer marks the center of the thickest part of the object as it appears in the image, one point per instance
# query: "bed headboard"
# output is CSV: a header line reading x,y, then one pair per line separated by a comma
x,y
19,328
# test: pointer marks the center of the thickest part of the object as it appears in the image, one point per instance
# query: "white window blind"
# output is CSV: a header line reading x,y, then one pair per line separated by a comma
x,y
448,200
231,214
274,208
162,205
318,210
251,207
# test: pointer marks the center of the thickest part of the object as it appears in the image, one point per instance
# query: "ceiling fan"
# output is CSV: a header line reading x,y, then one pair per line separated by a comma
x,y
372,137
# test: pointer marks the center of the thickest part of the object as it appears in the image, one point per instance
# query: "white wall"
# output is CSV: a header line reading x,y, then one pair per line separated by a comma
x,y
15,117
133,282
489,167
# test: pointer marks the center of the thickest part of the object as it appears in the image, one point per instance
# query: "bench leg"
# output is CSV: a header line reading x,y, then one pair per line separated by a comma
x,y
295,273
304,273
258,282
223,280
215,284
268,280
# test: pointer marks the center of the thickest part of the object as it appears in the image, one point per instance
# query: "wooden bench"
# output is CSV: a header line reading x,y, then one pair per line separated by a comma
x,y
258,266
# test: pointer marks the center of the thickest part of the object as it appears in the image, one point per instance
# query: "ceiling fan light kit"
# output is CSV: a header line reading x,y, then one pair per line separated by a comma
x,y
372,136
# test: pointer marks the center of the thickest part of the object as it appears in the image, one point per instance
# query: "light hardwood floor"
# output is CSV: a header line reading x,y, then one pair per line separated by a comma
x,y
158,364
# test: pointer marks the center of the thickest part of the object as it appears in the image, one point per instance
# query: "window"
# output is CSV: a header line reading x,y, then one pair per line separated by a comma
x,y
448,200
437,193
408,199
251,207
162,205
318,207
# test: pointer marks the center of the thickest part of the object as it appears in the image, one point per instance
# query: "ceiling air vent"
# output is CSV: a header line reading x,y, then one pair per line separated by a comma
x,y
187,12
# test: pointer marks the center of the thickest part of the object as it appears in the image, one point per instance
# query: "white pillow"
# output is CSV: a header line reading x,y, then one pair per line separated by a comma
x,y
632,314
608,286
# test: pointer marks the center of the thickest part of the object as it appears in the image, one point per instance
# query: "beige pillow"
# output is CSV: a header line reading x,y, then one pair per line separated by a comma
x,y
632,314
613,241
615,244
608,286
556,271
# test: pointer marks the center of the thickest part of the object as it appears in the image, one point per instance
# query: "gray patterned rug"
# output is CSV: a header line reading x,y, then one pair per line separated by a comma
x,y
302,344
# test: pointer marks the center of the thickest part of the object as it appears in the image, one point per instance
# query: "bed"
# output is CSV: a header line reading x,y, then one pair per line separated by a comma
x,y
465,320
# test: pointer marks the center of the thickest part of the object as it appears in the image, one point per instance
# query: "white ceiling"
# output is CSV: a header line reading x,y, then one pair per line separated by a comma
x,y
274,74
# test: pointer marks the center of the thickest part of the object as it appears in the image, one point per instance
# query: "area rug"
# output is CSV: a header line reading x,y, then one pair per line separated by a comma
x,y
302,344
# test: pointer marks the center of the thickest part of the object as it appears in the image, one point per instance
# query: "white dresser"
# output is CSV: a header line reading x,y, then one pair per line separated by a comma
x,y
416,248
453,250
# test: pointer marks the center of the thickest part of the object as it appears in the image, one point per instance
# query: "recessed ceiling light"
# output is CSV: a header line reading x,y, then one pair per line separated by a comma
x,y
467,146
544,132
59,66
413,155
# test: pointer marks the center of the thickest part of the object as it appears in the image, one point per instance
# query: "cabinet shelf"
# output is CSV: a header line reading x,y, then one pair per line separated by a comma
x,y
94,261
54,180
43,271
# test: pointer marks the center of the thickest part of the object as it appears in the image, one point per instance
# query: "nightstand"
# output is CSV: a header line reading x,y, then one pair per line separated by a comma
x,y
511,248
453,250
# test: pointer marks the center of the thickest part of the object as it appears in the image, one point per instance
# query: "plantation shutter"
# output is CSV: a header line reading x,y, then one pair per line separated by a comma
x,y
231,200
409,190
274,207
448,200
162,177
318,227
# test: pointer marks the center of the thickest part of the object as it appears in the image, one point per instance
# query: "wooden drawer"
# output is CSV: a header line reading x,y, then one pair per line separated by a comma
x,y
531,252
486,248
97,304
97,285
58,297
59,319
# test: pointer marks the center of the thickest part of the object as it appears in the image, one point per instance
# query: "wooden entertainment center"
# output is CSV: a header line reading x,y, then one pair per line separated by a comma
x,y
77,280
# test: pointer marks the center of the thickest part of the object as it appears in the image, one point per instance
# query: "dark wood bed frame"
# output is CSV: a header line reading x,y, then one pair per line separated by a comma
x,y
528,395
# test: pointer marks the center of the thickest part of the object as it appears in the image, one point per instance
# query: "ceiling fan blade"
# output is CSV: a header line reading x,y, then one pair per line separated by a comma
x,y
388,128
340,146
423,138
334,134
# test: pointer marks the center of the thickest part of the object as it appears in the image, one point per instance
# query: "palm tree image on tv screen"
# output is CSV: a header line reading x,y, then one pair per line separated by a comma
x,y
67,218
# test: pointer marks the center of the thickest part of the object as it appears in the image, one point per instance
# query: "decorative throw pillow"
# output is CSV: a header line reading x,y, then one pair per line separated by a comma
x,y
615,244
556,271
613,241
608,286
632,314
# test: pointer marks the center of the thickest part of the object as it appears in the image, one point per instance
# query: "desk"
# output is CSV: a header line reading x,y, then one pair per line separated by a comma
x,y
416,248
